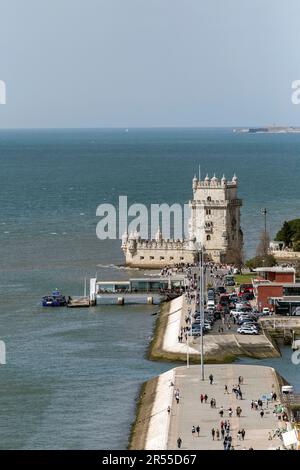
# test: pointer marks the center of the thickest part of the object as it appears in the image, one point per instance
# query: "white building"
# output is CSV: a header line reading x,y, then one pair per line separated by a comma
x,y
214,224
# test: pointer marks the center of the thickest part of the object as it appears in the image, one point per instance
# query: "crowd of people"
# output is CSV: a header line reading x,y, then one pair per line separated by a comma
x,y
223,430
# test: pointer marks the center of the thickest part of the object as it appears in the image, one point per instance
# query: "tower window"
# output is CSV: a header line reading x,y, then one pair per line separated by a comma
x,y
208,198
208,238
208,211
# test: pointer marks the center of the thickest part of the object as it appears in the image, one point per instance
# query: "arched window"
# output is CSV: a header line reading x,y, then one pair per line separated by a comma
x,y
208,238
208,198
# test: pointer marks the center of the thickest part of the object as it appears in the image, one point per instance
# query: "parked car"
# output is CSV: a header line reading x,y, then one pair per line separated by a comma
x,y
247,331
211,305
221,290
266,311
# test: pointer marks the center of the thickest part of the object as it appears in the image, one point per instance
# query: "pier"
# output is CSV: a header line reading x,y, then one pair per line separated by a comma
x,y
78,302
258,383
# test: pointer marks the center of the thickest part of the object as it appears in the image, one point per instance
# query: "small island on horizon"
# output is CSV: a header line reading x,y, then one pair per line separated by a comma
x,y
268,130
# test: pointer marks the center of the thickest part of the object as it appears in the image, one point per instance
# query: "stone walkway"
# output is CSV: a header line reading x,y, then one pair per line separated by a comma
x,y
258,380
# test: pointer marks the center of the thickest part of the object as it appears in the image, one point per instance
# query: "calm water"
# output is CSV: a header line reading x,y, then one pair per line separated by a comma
x,y
72,376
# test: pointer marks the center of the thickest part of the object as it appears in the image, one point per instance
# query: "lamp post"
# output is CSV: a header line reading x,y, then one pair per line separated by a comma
x,y
264,212
201,305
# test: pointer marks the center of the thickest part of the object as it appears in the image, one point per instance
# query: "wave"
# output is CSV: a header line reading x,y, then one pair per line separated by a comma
x,y
115,266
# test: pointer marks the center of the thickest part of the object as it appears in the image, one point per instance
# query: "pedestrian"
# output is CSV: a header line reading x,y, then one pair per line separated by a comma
x,y
230,412
193,430
198,430
239,435
212,403
201,397
262,413
213,432
179,442
252,404
225,389
211,379
169,409
205,398
218,434
223,433
221,412
243,434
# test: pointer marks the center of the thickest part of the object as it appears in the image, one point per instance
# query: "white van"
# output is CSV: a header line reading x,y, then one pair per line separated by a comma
x,y
210,304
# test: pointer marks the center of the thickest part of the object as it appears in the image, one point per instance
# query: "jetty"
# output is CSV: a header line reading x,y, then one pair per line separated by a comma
x,y
162,428
78,302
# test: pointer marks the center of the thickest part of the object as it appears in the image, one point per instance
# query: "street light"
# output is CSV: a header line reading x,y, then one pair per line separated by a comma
x,y
264,212
201,303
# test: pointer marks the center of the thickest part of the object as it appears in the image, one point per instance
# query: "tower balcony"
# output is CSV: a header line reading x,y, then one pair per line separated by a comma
x,y
236,202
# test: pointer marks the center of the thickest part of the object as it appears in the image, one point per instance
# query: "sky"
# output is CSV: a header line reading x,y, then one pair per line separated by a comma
x,y
145,63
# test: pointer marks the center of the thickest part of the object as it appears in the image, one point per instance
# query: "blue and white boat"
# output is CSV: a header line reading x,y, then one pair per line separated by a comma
x,y
54,300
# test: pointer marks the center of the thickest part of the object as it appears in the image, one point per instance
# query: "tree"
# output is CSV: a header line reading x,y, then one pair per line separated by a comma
x,y
261,261
290,234
285,234
263,245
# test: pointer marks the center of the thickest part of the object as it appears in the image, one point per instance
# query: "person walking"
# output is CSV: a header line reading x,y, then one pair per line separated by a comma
x,y
211,379
179,442
198,430
213,432
243,434
218,434
201,397
225,389
222,433
193,430
205,398
262,413
221,412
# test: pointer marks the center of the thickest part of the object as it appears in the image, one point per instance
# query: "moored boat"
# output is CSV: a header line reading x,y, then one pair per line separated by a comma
x,y
54,300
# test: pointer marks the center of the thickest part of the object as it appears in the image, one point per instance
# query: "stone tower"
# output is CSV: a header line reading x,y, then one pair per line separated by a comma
x,y
215,218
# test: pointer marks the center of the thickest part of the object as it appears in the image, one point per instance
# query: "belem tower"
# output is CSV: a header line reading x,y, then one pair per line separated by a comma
x,y
214,224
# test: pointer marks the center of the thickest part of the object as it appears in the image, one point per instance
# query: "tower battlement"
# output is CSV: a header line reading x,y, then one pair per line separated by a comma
x,y
214,224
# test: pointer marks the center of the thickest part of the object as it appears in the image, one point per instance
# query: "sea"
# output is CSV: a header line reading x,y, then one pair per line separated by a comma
x,y
72,376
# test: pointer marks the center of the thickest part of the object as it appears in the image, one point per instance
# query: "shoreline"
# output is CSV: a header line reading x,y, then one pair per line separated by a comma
x,y
148,392
217,348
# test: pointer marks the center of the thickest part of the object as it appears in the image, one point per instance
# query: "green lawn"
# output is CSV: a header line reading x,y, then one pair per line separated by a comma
x,y
244,278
